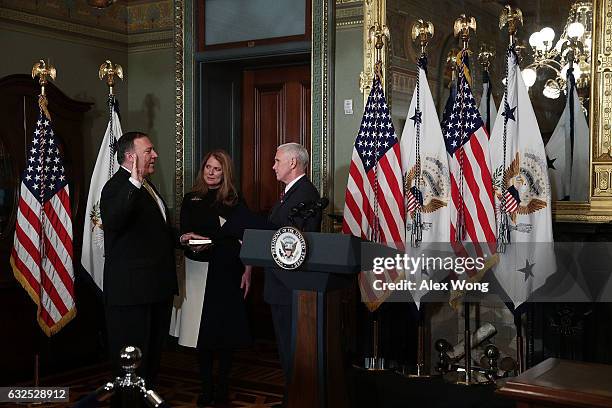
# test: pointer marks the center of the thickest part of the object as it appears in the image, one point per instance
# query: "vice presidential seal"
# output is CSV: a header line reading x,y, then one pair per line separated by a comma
x,y
288,248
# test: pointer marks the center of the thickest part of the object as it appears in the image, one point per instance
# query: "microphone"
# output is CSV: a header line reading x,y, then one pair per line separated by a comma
x,y
317,206
322,203
298,209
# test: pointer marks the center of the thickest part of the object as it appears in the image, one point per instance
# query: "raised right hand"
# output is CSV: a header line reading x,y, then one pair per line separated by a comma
x,y
136,172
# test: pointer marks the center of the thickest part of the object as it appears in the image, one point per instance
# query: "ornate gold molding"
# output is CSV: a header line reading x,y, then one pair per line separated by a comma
x,y
374,11
322,107
179,121
602,183
24,22
599,207
349,14
53,24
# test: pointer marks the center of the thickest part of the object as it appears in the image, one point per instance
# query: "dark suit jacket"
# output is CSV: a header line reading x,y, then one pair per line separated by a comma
x,y
303,191
139,245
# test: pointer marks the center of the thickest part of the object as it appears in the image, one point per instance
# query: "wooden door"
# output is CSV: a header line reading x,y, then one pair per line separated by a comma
x,y
276,110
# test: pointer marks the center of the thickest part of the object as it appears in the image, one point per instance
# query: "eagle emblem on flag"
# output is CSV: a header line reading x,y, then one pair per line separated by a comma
x,y
435,186
524,185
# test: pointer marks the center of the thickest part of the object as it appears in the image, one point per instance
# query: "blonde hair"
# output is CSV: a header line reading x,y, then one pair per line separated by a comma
x,y
227,193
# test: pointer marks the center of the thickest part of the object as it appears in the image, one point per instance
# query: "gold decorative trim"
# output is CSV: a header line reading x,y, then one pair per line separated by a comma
x,y
403,82
179,121
50,33
151,47
349,17
599,207
349,24
59,25
373,11
166,36
603,180
27,23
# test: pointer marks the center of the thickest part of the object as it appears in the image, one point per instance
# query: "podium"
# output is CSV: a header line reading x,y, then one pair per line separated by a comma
x,y
318,377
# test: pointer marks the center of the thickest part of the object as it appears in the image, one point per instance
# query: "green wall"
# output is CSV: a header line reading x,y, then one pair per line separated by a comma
x,y
348,65
146,95
77,67
150,102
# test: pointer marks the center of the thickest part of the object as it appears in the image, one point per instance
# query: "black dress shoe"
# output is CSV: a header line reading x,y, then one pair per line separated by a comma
x,y
222,394
204,400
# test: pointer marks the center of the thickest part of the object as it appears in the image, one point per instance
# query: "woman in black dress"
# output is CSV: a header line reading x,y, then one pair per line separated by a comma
x,y
214,210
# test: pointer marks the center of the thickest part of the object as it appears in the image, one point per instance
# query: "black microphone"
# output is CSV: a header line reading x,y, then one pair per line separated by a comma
x,y
298,209
317,206
322,203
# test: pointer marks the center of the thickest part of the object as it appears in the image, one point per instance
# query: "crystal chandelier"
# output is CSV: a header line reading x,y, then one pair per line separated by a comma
x,y
572,49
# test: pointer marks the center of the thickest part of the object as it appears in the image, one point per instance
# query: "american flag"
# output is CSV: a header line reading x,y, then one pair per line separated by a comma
x,y
414,199
512,199
374,201
42,252
467,144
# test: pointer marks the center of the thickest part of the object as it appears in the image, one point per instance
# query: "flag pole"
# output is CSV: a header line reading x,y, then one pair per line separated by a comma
x,y
462,27
45,72
422,31
378,34
110,71
485,56
512,17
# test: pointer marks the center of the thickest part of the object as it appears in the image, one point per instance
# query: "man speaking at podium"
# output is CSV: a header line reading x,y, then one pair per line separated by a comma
x,y
290,165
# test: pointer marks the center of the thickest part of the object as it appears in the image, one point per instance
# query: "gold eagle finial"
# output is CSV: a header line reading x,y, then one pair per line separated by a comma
x,y
512,17
110,70
462,28
43,71
422,31
486,55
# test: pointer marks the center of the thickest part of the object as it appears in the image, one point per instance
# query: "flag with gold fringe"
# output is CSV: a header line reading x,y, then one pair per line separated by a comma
x,y
42,255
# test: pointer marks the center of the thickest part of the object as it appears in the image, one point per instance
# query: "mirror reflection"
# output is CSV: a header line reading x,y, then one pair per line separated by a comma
x,y
554,47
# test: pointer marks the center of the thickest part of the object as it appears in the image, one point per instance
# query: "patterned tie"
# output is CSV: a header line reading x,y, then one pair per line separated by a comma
x,y
151,192
149,189
282,195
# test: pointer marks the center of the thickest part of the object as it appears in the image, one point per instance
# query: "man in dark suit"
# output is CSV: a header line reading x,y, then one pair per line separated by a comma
x,y
139,269
290,165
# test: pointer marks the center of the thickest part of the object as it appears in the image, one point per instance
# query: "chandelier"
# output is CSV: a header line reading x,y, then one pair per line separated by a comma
x,y
100,4
572,49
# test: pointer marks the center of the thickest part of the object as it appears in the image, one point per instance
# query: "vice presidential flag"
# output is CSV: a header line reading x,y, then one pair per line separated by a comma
x,y
42,255
567,151
374,200
426,177
522,193
487,108
92,257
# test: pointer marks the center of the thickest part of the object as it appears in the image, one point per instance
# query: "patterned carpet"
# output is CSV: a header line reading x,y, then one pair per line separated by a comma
x,y
256,380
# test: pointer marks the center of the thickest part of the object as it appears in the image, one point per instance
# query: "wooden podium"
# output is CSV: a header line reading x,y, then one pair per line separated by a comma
x,y
561,383
318,377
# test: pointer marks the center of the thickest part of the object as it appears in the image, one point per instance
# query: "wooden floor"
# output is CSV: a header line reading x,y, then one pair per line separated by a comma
x,y
256,380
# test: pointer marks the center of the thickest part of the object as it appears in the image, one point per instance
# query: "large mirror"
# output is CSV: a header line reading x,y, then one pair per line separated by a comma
x,y
557,37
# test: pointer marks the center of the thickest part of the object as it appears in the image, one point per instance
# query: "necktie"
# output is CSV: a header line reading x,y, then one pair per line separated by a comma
x,y
149,189
151,192
282,195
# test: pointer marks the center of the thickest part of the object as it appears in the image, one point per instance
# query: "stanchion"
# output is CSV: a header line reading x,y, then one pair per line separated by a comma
x,y
127,391
375,362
